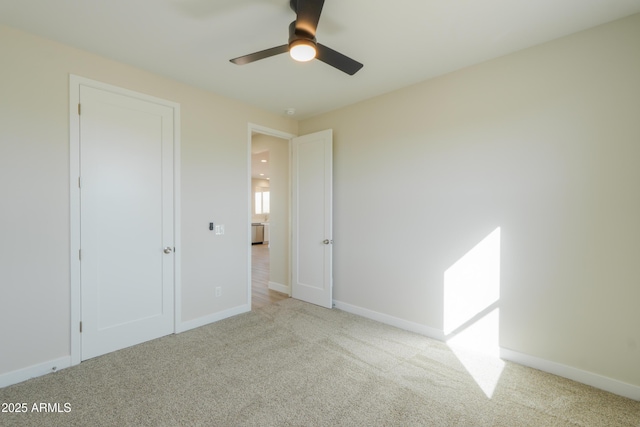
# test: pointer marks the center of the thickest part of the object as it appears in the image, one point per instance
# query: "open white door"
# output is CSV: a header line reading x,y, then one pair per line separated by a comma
x,y
312,234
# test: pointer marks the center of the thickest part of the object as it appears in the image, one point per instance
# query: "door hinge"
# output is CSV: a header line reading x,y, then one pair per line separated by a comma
x,y
78,182
80,254
79,109
80,327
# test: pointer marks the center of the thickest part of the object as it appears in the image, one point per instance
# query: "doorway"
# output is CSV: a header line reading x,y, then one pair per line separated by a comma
x,y
303,236
270,217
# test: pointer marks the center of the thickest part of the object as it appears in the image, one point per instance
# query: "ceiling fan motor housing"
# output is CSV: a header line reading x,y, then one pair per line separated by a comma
x,y
298,36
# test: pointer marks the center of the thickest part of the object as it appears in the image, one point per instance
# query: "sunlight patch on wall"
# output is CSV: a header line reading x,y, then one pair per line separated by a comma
x,y
472,313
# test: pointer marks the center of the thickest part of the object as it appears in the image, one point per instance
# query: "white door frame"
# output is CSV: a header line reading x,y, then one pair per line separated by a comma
x,y
254,128
74,203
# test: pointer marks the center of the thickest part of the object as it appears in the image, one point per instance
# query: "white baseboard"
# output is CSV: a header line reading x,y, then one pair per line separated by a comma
x,y
20,375
595,380
40,369
279,287
205,320
598,381
390,320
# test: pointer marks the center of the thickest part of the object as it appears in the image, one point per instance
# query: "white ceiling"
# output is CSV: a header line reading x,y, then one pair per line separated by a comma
x,y
400,42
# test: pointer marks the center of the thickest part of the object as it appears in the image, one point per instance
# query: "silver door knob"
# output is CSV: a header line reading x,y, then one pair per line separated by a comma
x,y
327,241
167,250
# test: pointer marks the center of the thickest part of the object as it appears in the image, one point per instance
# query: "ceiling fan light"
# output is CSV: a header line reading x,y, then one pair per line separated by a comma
x,y
302,50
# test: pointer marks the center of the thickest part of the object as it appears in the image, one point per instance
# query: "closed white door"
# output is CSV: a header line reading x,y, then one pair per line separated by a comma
x,y
126,220
312,185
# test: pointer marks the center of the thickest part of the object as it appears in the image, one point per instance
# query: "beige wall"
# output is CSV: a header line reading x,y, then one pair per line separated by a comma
x,y
34,184
545,144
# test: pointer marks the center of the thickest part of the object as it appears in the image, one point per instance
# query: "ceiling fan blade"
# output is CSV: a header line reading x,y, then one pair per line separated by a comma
x,y
308,12
241,60
337,60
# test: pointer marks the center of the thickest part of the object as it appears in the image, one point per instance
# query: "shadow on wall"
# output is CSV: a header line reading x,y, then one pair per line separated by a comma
x,y
472,311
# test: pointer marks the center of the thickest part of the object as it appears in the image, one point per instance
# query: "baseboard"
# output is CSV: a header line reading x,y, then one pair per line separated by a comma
x,y
604,383
390,320
24,374
598,381
279,287
55,365
205,320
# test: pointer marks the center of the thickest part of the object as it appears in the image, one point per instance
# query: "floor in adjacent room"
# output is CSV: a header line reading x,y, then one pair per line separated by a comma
x,y
261,295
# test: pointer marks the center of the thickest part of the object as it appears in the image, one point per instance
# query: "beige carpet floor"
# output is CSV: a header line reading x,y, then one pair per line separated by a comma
x,y
295,364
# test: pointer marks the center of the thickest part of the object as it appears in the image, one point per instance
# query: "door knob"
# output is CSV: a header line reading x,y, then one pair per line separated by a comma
x,y
327,241
167,250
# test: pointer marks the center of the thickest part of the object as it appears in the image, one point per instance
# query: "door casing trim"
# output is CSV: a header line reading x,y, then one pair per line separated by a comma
x,y
74,205
251,129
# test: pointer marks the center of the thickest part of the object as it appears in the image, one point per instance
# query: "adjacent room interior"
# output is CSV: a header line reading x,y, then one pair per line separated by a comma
x,y
269,219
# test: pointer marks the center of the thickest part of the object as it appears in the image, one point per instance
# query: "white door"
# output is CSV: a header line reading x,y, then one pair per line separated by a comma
x,y
126,220
312,218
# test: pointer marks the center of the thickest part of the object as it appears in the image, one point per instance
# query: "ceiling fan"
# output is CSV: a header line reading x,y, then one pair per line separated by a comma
x,y
302,44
